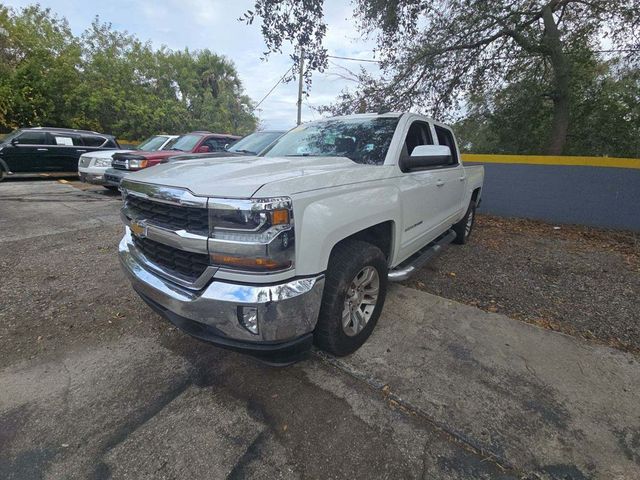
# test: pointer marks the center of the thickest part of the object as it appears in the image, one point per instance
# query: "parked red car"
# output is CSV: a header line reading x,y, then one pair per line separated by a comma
x,y
194,142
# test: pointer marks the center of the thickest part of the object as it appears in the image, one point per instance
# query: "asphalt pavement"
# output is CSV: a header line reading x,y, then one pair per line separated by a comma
x,y
95,385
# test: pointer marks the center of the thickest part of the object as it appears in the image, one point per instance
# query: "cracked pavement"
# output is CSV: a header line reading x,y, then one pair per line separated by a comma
x,y
93,384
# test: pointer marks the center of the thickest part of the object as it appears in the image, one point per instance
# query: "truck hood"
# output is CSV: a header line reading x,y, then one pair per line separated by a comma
x,y
149,155
104,153
245,176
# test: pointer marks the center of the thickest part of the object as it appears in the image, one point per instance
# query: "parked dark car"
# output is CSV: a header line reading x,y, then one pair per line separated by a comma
x,y
44,149
194,142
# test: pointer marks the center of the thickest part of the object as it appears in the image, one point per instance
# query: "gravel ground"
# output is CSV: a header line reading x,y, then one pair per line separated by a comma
x,y
578,280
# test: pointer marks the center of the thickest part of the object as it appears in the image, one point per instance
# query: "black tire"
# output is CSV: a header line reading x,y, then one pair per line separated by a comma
x,y
4,168
348,260
111,187
462,232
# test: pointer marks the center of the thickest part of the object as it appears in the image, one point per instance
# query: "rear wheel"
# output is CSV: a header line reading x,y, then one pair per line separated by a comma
x,y
354,293
464,227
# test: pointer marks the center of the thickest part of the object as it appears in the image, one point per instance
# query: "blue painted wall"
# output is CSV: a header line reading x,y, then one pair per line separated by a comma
x,y
602,197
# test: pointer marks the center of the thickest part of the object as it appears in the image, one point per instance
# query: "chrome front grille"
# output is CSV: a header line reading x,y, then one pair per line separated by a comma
x,y
170,227
173,217
120,164
188,265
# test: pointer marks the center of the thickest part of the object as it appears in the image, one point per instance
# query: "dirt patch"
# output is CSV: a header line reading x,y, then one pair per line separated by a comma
x,y
66,290
578,280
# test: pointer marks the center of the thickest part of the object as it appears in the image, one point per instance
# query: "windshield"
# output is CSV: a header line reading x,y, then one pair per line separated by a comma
x,y
152,144
363,140
255,143
185,143
11,136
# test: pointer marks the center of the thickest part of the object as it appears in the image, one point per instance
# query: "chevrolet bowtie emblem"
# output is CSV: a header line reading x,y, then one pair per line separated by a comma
x,y
139,229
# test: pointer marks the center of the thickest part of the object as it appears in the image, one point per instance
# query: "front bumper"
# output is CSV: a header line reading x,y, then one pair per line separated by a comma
x,y
93,175
287,312
113,176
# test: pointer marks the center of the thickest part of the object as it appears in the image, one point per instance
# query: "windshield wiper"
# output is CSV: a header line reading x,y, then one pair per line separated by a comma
x,y
299,155
242,151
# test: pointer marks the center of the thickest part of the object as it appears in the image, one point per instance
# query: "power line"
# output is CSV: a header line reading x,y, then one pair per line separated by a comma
x,y
355,59
273,88
370,60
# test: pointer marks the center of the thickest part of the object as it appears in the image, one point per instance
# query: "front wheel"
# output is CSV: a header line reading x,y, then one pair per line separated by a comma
x,y
464,227
354,293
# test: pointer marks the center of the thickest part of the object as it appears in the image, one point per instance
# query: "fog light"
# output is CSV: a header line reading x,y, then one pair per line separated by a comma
x,y
248,318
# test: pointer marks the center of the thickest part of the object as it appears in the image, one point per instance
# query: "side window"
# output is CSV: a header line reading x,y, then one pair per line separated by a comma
x,y
418,134
63,140
215,144
93,140
445,137
33,138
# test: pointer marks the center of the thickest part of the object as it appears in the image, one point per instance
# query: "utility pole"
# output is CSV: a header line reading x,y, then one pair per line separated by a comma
x,y
300,74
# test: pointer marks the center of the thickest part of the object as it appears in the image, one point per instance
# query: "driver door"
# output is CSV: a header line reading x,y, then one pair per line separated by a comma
x,y
29,153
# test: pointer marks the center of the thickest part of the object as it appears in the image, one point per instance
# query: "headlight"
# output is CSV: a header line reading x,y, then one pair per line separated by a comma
x,y
102,162
137,164
252,235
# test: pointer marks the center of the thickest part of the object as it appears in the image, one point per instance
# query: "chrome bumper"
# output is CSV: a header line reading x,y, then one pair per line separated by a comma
x,y
286,311
93,178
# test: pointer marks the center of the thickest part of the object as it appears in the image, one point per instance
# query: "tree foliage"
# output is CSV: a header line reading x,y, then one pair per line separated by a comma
x,y
110,81
605,118
437,54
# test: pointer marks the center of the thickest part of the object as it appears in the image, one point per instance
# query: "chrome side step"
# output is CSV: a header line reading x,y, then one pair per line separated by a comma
x,y
417,261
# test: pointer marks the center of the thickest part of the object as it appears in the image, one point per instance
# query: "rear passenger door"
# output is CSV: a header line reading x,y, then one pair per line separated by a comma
x,y
66,151
451,178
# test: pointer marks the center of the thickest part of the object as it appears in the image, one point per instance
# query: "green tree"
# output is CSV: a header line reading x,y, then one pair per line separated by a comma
x,y
111,81
436,53
40,57
605,118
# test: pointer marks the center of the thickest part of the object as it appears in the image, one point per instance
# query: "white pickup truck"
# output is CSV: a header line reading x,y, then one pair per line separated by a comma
x,y
269,254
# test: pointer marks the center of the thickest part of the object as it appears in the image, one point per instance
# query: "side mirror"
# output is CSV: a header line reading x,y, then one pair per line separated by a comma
x,y
425,156
203,149
14,141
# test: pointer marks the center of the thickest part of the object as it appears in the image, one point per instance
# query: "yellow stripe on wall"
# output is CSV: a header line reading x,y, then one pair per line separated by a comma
x,y
608,162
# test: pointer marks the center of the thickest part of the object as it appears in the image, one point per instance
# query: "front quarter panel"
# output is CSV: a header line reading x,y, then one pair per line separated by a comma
x,y
324,218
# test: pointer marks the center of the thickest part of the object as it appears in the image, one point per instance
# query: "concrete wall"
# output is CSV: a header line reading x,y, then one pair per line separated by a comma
x,y
598,196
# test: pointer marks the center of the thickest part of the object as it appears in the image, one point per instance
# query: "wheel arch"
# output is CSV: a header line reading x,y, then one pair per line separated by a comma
x,y
368,214
380,235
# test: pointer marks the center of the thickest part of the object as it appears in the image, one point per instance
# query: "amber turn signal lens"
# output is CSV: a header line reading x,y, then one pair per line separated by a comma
x,y
249,263
280,217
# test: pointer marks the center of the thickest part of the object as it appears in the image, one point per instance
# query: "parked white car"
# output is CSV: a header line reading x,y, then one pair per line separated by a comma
x,y
92,165
270,253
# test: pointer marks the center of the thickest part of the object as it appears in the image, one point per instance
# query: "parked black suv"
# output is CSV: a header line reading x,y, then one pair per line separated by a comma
x,y
44,149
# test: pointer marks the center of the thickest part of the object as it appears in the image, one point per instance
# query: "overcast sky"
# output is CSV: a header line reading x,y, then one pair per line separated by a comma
x,y
213,24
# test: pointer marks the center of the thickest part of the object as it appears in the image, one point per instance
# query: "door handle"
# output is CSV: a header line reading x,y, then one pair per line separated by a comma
x,y
439,183
43,149
82,151
462,179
